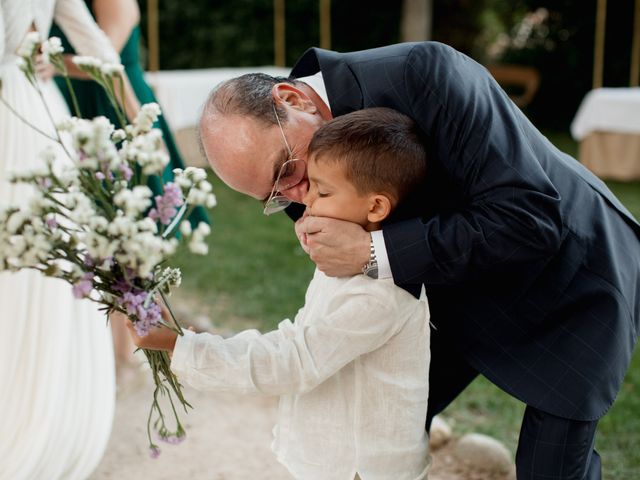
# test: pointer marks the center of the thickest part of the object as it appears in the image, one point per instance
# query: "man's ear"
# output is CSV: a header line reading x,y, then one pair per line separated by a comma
x,y
379,207
288,95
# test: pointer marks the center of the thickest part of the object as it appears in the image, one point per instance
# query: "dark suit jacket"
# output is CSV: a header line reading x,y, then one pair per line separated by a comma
x,y
531,265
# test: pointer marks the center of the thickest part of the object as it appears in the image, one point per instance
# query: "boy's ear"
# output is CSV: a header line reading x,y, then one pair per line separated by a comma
x,y
288,95
379,208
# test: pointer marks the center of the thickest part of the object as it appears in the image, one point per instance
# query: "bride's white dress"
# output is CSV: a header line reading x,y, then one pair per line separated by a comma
x,y
57,386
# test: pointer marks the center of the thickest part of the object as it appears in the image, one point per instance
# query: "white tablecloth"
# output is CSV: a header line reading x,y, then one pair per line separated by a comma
x,y
615,110
182,93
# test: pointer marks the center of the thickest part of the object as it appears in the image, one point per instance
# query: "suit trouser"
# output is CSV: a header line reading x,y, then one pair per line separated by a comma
x,y
549,447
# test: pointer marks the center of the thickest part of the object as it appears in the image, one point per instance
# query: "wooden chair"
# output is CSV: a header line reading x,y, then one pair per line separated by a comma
x,y
525,81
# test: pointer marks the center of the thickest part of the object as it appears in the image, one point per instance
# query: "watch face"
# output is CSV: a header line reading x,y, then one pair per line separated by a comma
x,y
372,272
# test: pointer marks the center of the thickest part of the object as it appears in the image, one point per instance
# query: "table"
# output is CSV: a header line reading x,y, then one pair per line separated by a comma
x,y
607,125
182,93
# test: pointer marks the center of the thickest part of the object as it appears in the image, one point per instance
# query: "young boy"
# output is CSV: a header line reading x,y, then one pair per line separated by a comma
x,y
352,369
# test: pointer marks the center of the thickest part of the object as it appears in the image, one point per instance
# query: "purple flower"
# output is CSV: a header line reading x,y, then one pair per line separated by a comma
x,y
173,439
166,204
100,176
51,222
154,451
131,301
126,171
121,285
145,317
83,288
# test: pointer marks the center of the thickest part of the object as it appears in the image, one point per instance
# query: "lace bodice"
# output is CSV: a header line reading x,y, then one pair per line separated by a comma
x,y
17,16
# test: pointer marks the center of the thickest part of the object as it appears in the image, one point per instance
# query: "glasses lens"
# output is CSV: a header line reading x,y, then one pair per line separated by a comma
x,y
276,204
291,174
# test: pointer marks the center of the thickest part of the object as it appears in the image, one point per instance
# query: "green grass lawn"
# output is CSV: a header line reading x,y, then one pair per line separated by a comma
x,y
256,274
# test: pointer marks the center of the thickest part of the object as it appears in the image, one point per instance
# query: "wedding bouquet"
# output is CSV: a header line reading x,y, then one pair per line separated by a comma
x,y
92,221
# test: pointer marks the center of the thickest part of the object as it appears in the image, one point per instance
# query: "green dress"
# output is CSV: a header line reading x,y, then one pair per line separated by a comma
x,y
93,102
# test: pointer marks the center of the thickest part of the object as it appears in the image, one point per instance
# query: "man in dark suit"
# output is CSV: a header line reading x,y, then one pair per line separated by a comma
x,y
531,265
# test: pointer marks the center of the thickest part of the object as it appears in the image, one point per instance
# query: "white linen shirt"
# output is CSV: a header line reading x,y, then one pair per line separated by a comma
x,y
352,375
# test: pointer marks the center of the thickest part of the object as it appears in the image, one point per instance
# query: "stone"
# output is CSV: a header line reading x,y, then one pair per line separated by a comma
x,y
440,433
483,452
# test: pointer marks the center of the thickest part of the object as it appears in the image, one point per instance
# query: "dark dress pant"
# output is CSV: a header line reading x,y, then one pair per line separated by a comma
x,y
549,447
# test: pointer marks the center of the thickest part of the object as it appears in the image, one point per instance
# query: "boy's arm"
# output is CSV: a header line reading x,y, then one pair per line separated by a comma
x,y
294,358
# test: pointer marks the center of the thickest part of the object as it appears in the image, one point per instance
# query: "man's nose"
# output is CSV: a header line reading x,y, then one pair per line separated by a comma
x,y
298,192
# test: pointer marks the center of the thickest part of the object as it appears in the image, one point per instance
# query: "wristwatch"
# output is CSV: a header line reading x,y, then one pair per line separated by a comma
x,y
370,269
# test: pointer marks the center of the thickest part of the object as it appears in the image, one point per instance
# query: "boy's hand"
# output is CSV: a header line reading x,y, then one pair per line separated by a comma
x,y
160,338
337,247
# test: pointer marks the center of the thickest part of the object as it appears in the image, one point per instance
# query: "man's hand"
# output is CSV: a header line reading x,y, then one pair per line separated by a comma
x,y
338,248
160,338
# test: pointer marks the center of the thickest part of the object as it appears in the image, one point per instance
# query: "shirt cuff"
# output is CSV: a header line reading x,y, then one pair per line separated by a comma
x,y
384,268
182,350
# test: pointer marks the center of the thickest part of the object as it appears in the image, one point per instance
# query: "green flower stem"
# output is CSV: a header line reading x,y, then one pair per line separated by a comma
x,y
74,100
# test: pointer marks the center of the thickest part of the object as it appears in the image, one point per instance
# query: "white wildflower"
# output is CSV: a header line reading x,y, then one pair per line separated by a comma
x,y
134,201
112,69
185,228
146,117
98,224
197,244
118,135
122,226
86,63
100,246
29,45
147,150
81,208
51,48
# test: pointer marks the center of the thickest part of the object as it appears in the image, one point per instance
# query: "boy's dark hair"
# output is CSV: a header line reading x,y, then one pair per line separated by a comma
x,y
380,148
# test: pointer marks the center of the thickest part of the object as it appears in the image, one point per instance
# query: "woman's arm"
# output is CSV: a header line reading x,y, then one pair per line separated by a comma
x,y
74,19
117,19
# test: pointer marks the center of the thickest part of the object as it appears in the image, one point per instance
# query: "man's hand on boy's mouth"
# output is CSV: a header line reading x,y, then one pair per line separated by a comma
x,y
337,247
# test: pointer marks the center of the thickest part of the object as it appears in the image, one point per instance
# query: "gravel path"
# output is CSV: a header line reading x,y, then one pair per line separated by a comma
x,y
228,438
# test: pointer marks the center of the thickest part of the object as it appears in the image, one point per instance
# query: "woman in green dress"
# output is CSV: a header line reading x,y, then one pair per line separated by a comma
x,y
119,19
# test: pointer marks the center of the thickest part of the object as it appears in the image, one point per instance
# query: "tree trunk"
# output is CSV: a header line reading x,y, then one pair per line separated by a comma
x,y
416,20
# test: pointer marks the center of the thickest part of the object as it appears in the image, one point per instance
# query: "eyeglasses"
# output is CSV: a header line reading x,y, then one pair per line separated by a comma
x,y
291,174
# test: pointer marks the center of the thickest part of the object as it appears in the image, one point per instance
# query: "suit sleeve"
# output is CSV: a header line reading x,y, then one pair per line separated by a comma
x,y
510,211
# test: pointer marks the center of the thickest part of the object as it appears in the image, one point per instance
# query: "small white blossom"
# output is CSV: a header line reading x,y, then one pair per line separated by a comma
x,y
84,62
185,228
118,135
51,48
29,45
147,150
111,69
146,117
197,244
135,201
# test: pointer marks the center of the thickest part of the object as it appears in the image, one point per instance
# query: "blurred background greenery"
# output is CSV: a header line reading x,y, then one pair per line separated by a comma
x,y
256,273
560,44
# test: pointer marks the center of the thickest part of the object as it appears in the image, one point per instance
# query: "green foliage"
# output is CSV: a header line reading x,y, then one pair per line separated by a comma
x,y
226,33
